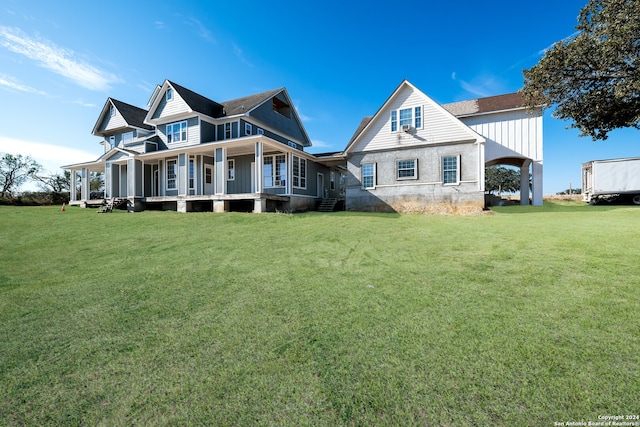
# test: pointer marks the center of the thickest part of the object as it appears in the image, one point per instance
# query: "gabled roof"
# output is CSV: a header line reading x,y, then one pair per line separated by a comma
x,y
197,102
132,115
367,122
248,103
490,104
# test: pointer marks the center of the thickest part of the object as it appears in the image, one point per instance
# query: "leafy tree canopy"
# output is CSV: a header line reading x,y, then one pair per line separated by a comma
x,y
15,171
500,179
593,77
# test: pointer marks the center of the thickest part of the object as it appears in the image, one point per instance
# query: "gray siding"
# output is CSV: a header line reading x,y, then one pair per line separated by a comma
x,y
193,133
289,127
242,181
312,179
175,106
207,132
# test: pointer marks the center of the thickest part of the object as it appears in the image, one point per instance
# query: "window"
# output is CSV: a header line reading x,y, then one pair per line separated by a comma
x,y
260,131
368,175
177,132
227,131
192,173
172,173
169,94
418,117
332,180
247,128
127,137
112,111
208,175
407,169
450,170
275,170
231,170
299,172
405,117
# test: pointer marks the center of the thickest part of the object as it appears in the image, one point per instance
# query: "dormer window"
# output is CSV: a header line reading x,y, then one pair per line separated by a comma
x,y
169,94
112,111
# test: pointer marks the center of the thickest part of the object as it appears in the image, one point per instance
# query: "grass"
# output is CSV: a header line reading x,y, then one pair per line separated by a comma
x,y
528,316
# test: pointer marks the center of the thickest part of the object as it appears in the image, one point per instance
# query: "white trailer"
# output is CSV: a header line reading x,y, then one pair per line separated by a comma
x,y
611,180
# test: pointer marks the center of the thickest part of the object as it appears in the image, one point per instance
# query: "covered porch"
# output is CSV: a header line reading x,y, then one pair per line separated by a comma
x,y
254,173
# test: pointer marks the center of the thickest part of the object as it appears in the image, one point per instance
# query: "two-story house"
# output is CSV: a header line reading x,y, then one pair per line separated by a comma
x,y
415,155
188,152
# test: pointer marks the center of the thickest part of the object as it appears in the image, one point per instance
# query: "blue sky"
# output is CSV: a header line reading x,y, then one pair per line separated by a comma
x,y
339,60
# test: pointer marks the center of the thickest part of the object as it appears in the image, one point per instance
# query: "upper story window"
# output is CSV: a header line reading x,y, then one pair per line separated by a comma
x,y
127,138
169,94
281,107
112,111
406,118
260,131
248,129
177,132
227,131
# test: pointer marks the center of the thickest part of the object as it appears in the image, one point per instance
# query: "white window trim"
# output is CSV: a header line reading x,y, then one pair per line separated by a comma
x,y
415,169
231,169
260,131
299,160
175,179
362,175
274,167
248,128
398,126
112,111
457,157
186,131
191,173
169,94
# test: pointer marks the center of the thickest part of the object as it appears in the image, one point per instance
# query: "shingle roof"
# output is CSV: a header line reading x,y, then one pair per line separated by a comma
x,y
197,102
363,123
486,105
134,116
247,103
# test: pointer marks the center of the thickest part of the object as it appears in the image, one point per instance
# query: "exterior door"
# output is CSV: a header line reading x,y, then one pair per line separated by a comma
x,y
320,184
208,179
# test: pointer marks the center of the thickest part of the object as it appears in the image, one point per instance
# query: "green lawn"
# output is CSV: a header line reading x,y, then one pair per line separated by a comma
x,y
527,316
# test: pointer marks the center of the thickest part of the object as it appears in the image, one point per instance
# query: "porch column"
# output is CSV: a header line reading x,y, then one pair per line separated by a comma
x,y
84,184
183,174
220,169
131,178
259,165
536,171
524,182
289,182
107,180
72,186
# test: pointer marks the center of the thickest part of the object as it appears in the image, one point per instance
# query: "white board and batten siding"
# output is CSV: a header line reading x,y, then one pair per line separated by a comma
x,y
438,125
509,133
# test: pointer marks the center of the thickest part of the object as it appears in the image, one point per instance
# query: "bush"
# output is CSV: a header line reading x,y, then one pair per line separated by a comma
x,y
37,198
